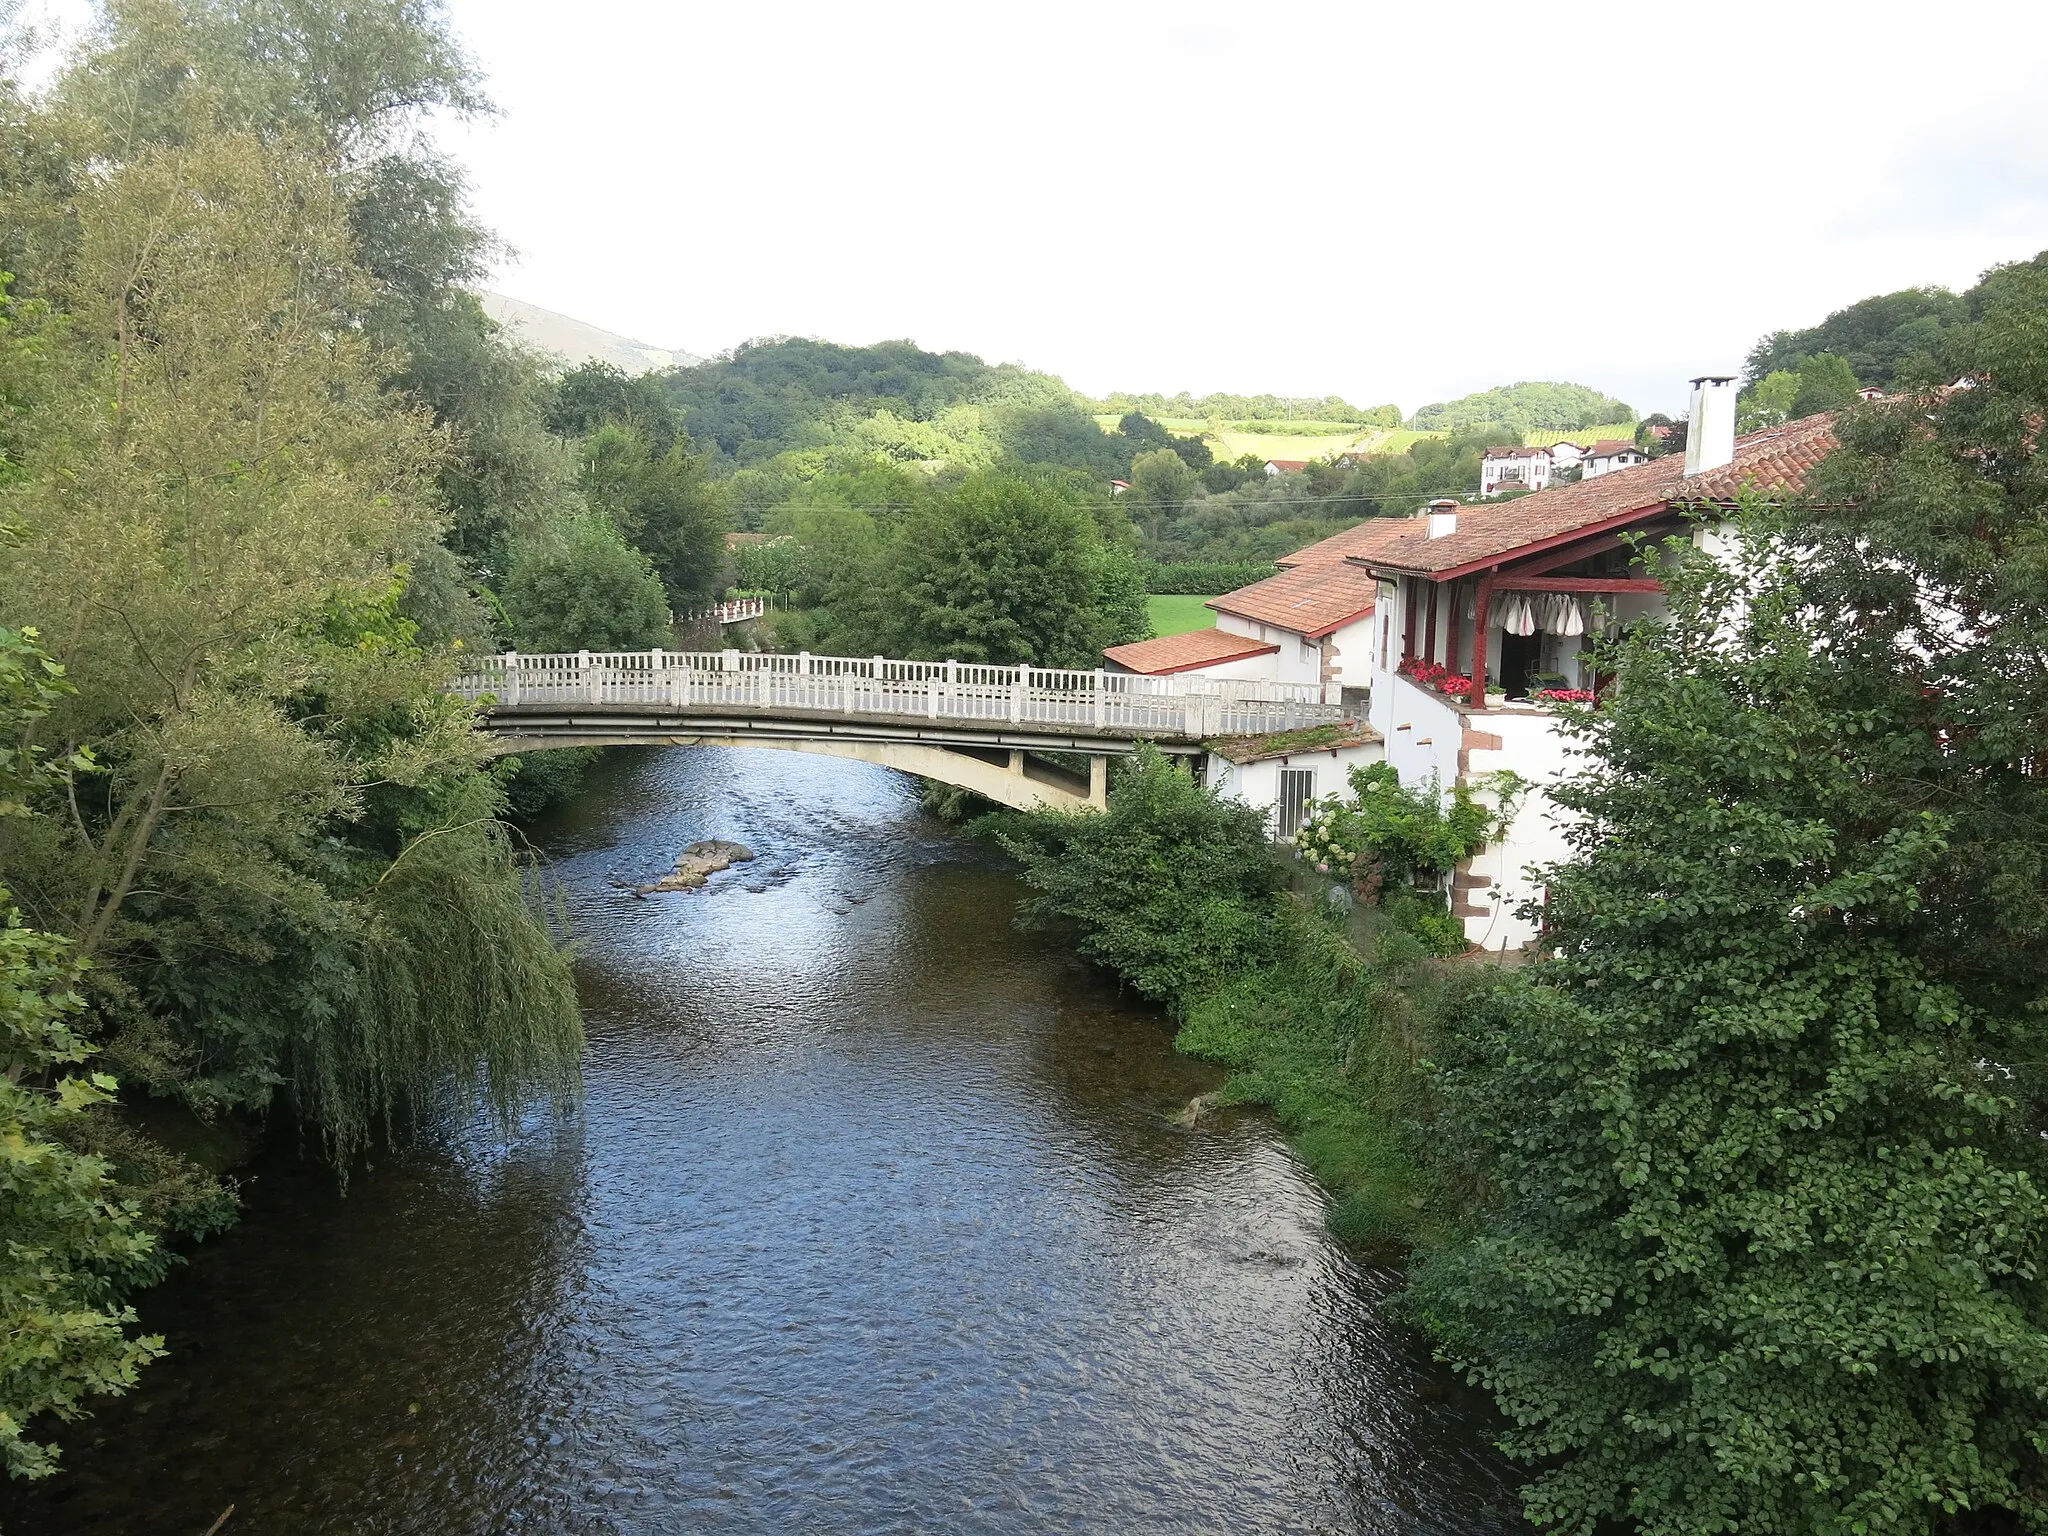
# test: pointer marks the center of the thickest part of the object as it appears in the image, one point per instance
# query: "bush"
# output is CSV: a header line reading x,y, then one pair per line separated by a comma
x,y
1170,886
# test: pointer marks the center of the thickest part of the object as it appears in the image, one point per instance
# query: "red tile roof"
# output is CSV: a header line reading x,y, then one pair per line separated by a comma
x,y
1516,453
1360,541
1776,460
1310,600
1611,445
1183,653
1290,466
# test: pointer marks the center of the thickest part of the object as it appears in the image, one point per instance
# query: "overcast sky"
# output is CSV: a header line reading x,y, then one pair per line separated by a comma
x,y
1387,202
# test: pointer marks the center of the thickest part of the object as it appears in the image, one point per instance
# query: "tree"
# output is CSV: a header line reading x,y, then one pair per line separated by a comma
x,y
585,588
1770,402
1161,479
598,393
1880,338
1768,1207
1527,407
291,811
1002,570
1825,384
664,506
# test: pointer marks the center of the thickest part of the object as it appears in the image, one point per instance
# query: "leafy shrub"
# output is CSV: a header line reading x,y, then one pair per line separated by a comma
x,y
1171,886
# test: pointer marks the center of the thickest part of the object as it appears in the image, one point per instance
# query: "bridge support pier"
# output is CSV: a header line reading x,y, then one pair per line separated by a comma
x,y
1098,780
1017,762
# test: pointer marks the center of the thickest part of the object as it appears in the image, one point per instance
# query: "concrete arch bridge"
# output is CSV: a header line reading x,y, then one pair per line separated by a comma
x,y
1018,735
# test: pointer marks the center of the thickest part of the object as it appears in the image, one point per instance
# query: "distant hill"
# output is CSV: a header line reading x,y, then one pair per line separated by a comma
x,y
1525,407
576,342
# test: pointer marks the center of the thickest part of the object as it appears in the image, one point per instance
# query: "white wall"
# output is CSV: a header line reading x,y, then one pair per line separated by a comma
x,y
1496,880
1258,784
1299,661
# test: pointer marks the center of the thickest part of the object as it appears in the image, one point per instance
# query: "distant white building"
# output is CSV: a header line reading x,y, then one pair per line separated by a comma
x,y
1608,455
1515,469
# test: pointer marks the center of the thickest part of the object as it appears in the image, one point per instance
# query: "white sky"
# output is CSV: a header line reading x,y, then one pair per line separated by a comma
x,y
1380,201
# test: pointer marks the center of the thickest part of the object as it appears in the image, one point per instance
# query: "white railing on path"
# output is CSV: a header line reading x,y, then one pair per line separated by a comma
x,y
736,611
1100,703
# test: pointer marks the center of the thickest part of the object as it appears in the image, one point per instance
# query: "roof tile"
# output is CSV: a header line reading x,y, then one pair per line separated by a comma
x,y
1310,600
1182,653
1775,460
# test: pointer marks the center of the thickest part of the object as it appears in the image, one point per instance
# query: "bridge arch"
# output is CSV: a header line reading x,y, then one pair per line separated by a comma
x,y
1013,779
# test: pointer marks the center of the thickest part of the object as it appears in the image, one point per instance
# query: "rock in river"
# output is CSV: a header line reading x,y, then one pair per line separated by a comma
x,y
696,864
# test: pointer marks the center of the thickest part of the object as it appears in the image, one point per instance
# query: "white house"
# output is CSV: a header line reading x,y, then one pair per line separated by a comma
x,y
1319,617
1608,455
1501,598
1565,454
1514,469
1287,773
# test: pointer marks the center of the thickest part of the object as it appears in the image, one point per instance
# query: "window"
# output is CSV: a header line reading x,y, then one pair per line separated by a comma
x,y
1297,789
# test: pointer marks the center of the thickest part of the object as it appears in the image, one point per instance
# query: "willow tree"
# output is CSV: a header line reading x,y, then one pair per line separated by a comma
x,y
215,512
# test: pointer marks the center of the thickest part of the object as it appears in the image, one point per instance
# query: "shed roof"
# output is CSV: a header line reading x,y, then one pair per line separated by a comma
x,y
1183,653
1334,737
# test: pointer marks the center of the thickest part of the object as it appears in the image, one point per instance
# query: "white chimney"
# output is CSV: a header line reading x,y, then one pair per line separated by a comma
x,y
1710,434
1443,519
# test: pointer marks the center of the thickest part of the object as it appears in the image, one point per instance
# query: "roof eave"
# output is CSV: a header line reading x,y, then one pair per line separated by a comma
x,y
1518,551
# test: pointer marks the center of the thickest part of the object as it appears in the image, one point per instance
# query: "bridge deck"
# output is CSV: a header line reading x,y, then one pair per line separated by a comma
x,y
687,692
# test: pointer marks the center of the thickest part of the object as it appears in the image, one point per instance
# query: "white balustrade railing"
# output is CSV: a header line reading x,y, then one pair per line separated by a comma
x,y
1104,703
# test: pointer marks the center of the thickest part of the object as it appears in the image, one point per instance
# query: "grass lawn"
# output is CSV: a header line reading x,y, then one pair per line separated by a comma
x,y
1178,615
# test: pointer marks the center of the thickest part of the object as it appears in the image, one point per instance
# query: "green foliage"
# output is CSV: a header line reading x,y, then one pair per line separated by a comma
x,y
1526,407
1881,338
598,394
663,505
1251,407
69,1246
1387,834
1825,384
1161,479
1003,570
1770,402
1170,887
1762,1215
1329,1040
1202,579
1121,612
777,565
584,588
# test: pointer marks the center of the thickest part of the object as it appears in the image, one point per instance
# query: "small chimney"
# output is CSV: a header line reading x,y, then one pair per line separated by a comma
x,y
1443,519
1710,433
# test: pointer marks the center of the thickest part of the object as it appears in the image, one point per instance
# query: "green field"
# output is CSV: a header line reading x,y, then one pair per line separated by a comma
x,y
1178,615
1585,437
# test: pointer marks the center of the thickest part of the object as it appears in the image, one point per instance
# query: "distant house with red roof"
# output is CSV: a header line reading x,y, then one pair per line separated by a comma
x,y
1514,469
1608,455
1286,466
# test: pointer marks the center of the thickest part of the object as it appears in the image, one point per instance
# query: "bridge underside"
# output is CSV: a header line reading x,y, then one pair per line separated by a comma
x,y
1005,765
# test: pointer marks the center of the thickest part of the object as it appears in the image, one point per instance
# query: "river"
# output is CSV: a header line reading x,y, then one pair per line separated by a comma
x,y
870,1220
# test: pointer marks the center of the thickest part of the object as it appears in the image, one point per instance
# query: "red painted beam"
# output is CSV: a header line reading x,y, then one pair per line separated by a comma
x,y
1577,584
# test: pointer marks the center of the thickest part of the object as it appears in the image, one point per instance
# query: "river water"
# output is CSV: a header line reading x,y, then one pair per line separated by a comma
x,y
870,1220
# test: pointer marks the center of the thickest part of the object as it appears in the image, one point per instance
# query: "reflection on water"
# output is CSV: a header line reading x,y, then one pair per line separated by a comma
x,y
871,1220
